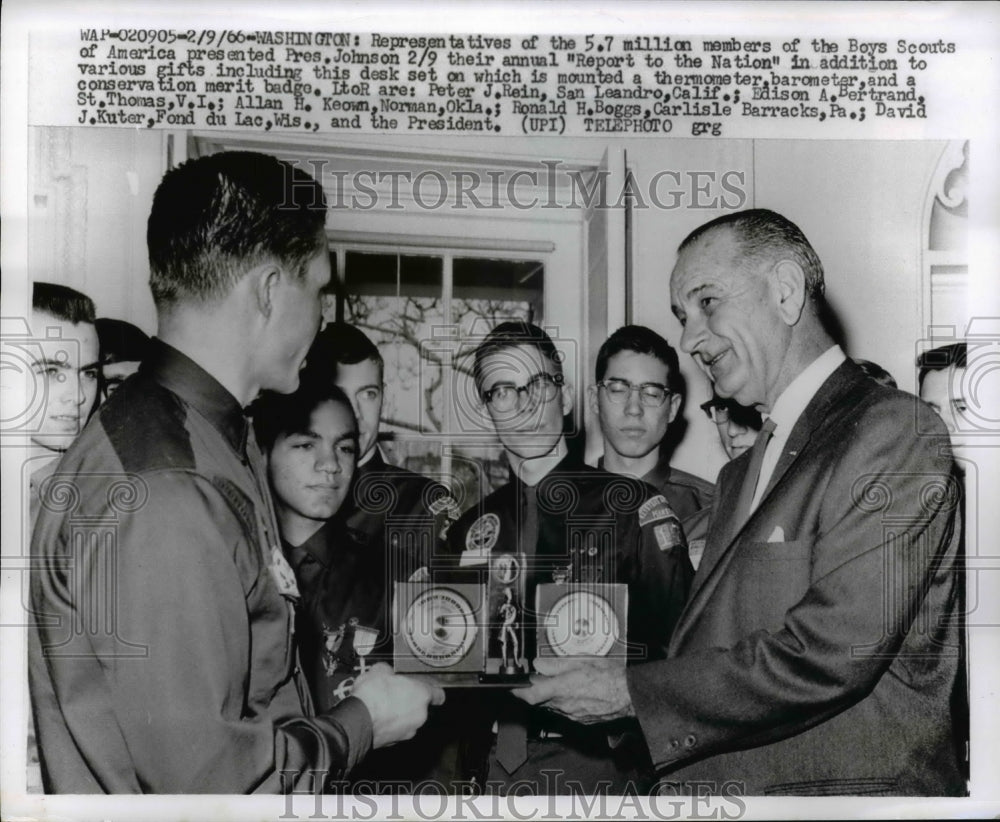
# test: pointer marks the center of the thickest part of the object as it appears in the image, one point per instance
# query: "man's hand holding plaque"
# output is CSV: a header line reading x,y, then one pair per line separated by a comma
x,y
580,667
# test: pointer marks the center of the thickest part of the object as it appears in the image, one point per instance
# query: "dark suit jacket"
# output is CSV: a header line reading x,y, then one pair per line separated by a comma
x,y
819,647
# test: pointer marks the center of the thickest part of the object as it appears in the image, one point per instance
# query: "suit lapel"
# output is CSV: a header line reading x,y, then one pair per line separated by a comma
x,y
721,527
723,532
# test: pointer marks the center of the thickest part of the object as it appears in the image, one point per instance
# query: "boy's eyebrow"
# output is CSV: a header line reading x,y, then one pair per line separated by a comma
x,y
49,361
94,364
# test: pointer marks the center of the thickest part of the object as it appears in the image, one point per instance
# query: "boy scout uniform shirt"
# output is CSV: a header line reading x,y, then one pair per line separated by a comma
x,y
346,590
689,496
389,507
686,493
343,588
162,655
592,526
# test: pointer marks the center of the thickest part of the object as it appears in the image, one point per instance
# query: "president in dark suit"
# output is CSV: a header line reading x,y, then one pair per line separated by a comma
x,y
819,647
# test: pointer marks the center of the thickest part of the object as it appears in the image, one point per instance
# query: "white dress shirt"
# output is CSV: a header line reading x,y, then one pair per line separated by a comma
x,y
789,407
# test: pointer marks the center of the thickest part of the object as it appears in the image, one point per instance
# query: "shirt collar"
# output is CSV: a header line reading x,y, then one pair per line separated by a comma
x,y
183,376
660,472
317,546
794,399
375,457
553,459
656,476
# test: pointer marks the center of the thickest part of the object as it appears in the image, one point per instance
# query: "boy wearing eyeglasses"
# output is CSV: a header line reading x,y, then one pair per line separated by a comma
x,y
637,396
737,425
572,523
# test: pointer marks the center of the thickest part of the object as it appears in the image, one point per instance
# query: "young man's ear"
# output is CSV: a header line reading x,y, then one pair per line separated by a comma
x,y
265,280
566,393
593,399
675,406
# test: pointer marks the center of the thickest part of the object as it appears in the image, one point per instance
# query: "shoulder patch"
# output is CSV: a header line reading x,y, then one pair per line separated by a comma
x,y
654,509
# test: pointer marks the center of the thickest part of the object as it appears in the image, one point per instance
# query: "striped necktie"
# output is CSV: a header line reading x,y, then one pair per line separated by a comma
x,y
753,473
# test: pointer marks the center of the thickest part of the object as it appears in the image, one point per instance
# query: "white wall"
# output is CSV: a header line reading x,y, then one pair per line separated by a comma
x,y
860,203
90,191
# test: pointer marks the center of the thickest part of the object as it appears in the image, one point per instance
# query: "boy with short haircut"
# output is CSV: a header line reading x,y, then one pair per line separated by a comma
x,y
65,373
388,505
343,622
123,348
637,396
62,321
194,685
626,536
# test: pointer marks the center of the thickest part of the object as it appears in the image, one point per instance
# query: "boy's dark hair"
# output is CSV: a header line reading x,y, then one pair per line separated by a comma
x,y
276,415
120,341
62,302
340,343
512,334
217,216
938,359
641,340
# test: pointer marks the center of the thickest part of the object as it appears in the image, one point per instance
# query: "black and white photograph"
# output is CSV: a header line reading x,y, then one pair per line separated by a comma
x,y
515,412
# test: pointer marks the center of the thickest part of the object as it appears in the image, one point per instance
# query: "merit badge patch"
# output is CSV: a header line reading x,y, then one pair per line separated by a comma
x,y
445,503
483,534
653,509
344,689
668,534
447,506
283,574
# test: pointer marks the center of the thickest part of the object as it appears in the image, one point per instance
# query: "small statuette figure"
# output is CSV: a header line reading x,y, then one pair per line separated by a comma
x,y
508,634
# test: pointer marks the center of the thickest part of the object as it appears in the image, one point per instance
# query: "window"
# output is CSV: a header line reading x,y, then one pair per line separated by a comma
x,y
426,312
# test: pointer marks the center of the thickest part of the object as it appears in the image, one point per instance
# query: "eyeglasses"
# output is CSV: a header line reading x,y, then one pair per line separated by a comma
x,y
721,412
505,396
651,394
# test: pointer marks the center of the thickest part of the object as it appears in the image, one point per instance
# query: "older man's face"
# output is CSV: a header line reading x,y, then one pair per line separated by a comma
x,y
729,311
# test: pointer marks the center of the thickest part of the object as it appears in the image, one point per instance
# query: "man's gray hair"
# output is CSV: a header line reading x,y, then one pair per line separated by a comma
x,y
765,234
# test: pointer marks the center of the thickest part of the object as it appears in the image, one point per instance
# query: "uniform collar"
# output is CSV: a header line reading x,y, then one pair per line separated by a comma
x,y
318,546
184,377
657,476
374,461
556,457
569,464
